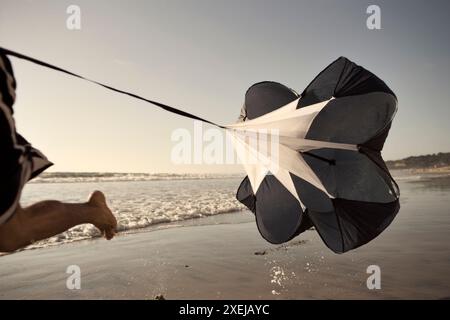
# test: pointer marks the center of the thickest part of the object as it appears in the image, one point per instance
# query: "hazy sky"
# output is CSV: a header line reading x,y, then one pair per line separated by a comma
x,y
202,56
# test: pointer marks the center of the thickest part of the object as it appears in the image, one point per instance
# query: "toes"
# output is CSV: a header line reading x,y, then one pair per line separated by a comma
x,y
109,234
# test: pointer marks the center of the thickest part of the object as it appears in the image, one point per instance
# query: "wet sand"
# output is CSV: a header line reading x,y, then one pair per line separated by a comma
x,y
225,258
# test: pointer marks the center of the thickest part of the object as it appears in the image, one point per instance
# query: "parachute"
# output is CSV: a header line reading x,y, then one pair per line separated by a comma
x,y
324,169
329,172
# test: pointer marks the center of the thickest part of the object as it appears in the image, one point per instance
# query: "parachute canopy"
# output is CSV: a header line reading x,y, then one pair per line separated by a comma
x,y
325,169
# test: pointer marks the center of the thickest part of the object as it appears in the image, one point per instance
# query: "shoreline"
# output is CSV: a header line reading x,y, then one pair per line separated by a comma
x,y
199,219
191,221
229,261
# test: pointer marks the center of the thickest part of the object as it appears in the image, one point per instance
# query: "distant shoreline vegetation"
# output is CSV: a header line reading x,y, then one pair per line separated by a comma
x,y
437,161
432,163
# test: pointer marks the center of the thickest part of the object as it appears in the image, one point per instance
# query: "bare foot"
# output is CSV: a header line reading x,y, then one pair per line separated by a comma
x,y
104,220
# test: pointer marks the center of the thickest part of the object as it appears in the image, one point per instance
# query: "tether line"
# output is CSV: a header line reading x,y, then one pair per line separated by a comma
x,y
155,103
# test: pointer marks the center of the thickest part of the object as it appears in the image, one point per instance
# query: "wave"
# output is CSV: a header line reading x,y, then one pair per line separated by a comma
x,y
86,231
138,205
77,177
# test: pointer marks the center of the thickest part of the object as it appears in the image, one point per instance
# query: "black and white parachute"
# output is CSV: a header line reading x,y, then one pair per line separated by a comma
x,y
329,171
326,168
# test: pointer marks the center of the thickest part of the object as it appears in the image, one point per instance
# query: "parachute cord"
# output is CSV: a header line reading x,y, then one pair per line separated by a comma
x,y
155,103
395,189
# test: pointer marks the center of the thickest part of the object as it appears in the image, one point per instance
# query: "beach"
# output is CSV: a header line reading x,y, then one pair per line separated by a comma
x,y
222,256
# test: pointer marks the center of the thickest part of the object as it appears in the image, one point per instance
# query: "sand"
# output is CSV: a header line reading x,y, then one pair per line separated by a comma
x,y
224,261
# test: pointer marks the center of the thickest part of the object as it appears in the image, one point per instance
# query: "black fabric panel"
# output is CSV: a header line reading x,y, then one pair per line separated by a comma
x,y
306,224
327,225
310,196
345,224
245,195
353,119
342,78
355,80
376,143
267,96
278,213
353,176
353,223
323,86
363,221
376,158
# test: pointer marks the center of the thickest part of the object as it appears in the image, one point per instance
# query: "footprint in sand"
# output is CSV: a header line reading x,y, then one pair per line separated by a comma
x,y
281,247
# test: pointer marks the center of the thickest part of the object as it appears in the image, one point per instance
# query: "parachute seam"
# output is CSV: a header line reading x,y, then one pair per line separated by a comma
x,y
340,229
395,190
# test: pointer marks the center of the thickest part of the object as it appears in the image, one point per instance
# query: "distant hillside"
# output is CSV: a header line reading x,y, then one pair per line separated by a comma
x,y
437,160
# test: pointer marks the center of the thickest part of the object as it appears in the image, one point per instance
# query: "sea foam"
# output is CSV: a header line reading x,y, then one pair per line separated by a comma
x,y
138,201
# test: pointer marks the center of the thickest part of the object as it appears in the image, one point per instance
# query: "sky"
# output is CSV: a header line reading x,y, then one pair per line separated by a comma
x,y
201,56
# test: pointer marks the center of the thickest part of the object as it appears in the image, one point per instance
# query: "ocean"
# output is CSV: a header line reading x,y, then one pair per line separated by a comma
x,y
137,200
145,200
